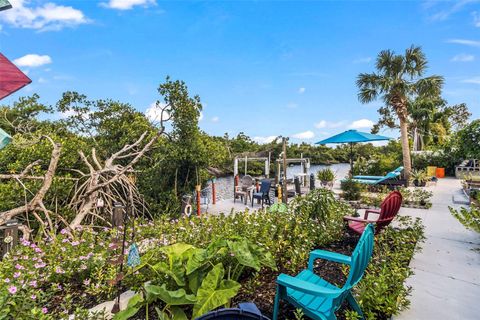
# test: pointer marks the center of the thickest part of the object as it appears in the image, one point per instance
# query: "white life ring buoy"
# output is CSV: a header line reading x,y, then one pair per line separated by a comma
x,y
188,210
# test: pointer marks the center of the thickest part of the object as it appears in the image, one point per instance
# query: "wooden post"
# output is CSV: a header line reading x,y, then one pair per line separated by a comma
x,y
198,189
246,164
279,193
284,148
214,196
118,215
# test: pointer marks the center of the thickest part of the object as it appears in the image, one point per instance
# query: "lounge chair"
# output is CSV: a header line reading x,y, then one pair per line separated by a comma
x,y
398,170
318,298
264,193
390,179
388,211
243,190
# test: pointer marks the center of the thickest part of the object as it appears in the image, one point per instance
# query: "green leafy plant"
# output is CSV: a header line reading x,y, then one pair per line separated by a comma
x,y
352,190
196,277
419,177
469,217
326,176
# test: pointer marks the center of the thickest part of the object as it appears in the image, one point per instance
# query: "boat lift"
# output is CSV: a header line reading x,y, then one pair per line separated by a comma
x,y
246,159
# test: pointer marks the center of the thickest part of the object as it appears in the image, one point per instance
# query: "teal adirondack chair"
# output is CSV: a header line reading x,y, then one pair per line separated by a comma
x,y
318,298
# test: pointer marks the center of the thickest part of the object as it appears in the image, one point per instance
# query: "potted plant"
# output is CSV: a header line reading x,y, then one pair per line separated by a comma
x,y
326,177
419,178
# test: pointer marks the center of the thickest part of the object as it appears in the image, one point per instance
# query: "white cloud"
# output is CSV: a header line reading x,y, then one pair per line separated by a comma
x,y
301,90
43,18
361,124
128,4
462,57
363,60
476,19
154,112
262,140
42,80
304,135
465,42
475,80
215,119
326,124
33,60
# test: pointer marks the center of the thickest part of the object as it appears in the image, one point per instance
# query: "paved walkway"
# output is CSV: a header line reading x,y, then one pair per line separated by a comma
x,y
446,284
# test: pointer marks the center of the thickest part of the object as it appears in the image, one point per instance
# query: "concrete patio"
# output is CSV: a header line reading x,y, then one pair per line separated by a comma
x,y
446,284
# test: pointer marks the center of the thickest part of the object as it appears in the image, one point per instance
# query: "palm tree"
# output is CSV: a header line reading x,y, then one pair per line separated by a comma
x,y
398,80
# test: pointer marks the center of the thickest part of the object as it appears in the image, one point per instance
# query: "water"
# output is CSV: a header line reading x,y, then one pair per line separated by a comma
x,y
224,185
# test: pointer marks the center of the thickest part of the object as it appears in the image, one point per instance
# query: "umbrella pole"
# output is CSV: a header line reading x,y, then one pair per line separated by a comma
x,y
351,160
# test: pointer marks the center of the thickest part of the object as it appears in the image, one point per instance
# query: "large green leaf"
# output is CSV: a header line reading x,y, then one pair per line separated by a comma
x,y
242,253
134,304
176,272
197,260
177,297
264,256
214,291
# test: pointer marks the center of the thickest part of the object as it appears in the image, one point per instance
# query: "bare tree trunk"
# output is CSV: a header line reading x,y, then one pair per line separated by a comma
x,y
407,162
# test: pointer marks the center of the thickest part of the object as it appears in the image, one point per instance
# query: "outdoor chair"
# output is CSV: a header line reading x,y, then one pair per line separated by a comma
x,y
388,211
398,170
390,178
318,298
264,193
245,311
243,190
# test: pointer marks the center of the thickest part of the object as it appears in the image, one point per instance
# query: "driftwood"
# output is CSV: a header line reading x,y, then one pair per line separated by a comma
x,y
36,205
105,182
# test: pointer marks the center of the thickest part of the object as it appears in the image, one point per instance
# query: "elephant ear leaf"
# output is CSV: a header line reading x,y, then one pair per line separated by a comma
x,y
173,298
242,253
264,256
134,304
214,291
197,260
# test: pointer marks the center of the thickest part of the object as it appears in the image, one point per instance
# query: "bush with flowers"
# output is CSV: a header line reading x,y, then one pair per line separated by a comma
x,y
51,277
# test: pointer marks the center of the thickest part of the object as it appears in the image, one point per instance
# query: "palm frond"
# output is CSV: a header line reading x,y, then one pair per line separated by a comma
x,y
429,87
384,60
415,61
366,95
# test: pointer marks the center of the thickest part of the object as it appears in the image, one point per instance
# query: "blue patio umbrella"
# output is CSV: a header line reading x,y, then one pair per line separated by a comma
x,y
351,137
4,138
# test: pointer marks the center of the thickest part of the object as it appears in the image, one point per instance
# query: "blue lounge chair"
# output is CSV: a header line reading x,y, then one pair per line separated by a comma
x,y
398,170
318,298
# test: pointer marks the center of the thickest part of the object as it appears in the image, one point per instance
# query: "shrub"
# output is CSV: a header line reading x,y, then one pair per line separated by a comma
x,y
469,217
382,292
352,190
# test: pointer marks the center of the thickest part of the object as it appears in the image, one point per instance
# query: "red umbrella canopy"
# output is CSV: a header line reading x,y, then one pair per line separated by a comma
x,y
11,78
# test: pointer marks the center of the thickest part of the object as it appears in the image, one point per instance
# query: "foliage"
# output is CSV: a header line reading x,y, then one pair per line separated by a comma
x,y
412,196
379,161
382,292
352,190
326,175
419,177
469,217
193,276
468,139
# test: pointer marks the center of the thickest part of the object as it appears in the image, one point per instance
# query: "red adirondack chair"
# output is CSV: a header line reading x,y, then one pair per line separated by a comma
x,y
388,211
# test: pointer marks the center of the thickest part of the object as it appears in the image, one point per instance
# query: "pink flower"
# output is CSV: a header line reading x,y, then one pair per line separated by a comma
x,y
83,267
38,250
64,231
75,243
59,270
19,267
6,280
86,282
33,283
33,297
40,265
17,274
12,289
65,240
44,310
25,242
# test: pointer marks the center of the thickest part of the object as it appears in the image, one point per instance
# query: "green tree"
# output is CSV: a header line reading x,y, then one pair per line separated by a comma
x,y
399,79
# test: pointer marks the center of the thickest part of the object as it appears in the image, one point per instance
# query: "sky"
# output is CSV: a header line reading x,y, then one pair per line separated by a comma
x,y
266,68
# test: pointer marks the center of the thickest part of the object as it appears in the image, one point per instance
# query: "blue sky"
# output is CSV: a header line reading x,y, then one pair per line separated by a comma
x,y
265,68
